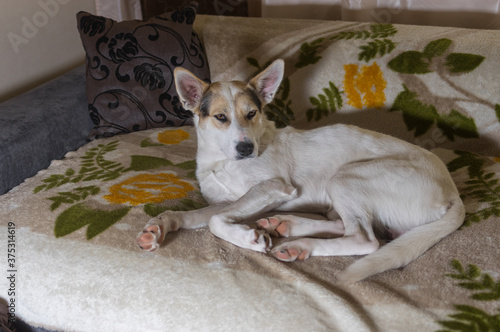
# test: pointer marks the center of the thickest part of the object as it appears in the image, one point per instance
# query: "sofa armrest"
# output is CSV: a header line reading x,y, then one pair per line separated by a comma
x,y
42,125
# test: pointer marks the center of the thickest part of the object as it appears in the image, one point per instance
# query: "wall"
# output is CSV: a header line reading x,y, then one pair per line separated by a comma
x,y
38,41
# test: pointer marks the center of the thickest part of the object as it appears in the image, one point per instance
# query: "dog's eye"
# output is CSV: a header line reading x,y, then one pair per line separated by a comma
x,y
251,114
221,117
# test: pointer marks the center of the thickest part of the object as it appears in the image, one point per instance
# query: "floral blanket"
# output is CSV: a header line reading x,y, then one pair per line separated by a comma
x,y
75,224
77,267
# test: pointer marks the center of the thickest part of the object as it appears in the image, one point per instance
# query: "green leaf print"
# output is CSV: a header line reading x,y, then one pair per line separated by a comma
x,y
416,115
77,194
469,318
483,288
326,103
436,48
382,30
455,123
415,62
148,142
463,62
93,167
186,204
482,187
308,53
375,31
144,163
410,62
470,160
79,216
253,62
377,47
421,117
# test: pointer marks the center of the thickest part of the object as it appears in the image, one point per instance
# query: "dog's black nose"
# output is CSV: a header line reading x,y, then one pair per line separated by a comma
x,y
244,149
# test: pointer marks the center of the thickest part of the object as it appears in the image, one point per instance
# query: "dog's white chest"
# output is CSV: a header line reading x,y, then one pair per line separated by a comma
x,y
221,185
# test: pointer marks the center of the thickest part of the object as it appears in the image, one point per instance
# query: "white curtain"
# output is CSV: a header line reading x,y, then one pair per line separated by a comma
x,y
119,10
461,13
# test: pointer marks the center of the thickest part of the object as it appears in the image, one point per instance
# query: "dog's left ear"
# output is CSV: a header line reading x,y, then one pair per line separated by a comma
x,y
189,88
268,81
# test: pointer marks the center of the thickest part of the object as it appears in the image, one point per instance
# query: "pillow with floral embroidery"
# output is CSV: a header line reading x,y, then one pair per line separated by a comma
x,y
129,69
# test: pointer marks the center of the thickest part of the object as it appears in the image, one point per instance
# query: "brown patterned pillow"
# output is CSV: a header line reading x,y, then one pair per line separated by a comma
x,y
130,64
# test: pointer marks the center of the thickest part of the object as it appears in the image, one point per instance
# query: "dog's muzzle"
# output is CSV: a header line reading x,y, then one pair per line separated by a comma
x,y
244,149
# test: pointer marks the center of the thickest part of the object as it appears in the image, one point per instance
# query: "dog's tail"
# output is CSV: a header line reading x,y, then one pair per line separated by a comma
x,y
407,247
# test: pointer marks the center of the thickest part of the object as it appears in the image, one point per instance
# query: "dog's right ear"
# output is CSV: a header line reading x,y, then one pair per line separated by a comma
x,y
189,88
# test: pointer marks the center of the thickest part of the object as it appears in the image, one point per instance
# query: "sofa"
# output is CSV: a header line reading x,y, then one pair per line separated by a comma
x,y
78,187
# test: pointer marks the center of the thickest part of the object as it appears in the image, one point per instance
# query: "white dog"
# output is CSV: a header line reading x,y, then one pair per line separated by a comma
x,y
365,183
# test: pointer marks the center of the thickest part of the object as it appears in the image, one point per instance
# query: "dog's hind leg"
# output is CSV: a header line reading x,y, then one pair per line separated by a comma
x,y
292,225
358,238
352,243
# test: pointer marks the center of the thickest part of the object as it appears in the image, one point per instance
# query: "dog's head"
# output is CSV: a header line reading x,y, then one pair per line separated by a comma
x,y
229,114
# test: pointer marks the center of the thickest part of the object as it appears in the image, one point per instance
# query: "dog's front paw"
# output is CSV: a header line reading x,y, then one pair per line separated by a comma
x,y
150,238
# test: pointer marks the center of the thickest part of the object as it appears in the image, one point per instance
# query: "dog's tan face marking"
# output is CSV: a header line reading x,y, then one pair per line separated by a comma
x,y
226,102
229,113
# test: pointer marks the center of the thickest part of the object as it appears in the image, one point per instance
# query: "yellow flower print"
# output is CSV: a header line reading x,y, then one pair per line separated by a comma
x,y
497,159
365,87
148,188
172,136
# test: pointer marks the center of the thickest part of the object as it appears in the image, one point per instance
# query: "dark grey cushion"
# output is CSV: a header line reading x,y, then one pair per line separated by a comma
x,y
42,125
130,81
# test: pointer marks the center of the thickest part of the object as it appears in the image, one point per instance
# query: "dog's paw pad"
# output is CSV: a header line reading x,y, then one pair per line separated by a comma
x,y
269,224
290,254
275,226
150,238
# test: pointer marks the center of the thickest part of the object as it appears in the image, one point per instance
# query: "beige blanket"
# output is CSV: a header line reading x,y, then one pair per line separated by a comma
x,y
79,268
